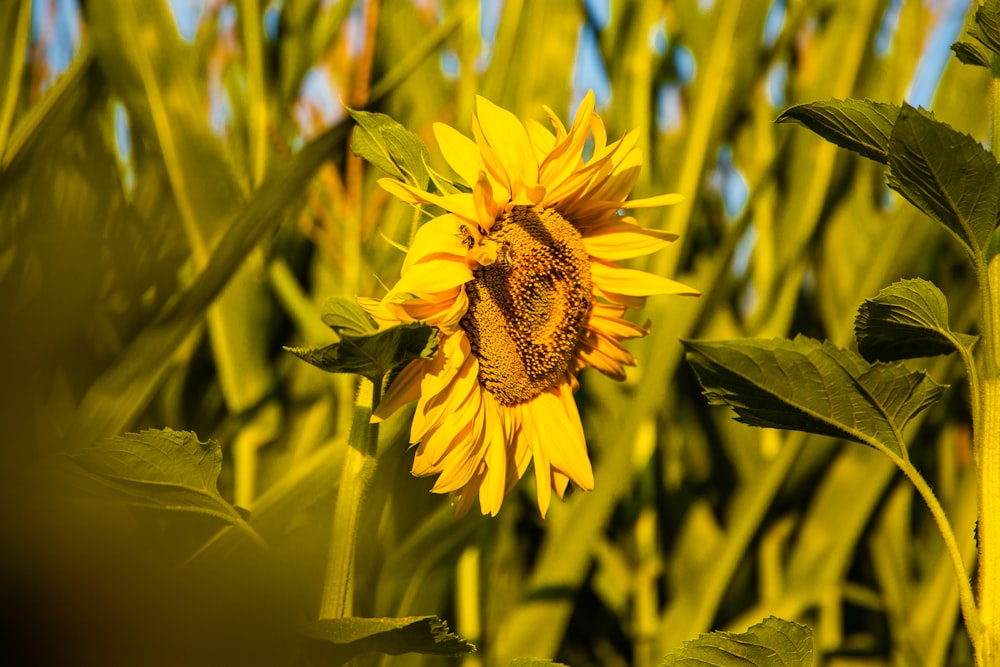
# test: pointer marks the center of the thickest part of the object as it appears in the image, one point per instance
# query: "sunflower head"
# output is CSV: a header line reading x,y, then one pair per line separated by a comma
x,y
519,274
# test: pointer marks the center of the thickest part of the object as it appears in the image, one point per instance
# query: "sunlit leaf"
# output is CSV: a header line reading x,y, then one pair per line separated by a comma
x,y
906,320
533,662
806,385
390,147
773,642
946,174
372,354
162,469
971,53
861,126
344,638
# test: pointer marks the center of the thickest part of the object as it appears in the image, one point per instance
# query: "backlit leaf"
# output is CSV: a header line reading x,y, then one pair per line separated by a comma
x,y
390,147
773,642
345,316
861,126
806,385
946,174
906,320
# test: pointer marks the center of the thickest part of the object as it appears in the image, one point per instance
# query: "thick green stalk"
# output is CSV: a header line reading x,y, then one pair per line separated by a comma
x,y
987,448
355,483
987,433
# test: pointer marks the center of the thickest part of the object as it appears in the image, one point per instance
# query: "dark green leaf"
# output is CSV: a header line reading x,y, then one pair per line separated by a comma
x,y
988,25
373,354
773,642
412,634
345,316
906,320
162,469
971,53
946,174
861,126
390,147
806,385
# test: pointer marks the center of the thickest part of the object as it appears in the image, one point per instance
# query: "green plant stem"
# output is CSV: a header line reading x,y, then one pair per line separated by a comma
x,y
987,450
355,483
987,434
967,600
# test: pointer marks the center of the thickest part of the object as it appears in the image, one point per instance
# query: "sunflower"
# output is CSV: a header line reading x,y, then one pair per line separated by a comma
x,y
519,277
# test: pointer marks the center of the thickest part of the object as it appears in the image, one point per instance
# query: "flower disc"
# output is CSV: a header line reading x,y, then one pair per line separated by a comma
x,y
528,308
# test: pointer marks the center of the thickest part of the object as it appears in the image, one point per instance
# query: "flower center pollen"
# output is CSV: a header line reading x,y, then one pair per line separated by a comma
x,y
528,308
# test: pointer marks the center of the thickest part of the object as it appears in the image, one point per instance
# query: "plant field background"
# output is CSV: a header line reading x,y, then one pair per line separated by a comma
x,y
178,198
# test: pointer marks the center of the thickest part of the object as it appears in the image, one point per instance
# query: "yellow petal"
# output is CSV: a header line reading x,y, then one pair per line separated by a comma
x,y
434,275
567,154
668,199
541,138
621,240
631,282
460,152
460,204
405,387
440,236
508,140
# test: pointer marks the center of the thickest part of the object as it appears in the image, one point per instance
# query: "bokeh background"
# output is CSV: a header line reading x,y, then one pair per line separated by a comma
x,y
165,231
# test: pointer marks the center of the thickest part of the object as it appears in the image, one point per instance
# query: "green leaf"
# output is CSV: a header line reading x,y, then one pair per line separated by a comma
x,y
533,662
375,353
806,385
345,316
971,53
773,642
114,400
906,320
160,469
15,21
946,174
988,25
861,126
410,634
390,147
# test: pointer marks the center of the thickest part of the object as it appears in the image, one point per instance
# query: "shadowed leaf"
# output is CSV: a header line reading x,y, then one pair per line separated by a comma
x,y
861,126
343,638
946,174
806,385
971,53
988,26
161,469
906,320
372,354
773,642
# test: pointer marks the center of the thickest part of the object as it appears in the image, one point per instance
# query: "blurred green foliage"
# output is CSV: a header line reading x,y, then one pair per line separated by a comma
x,y
156,287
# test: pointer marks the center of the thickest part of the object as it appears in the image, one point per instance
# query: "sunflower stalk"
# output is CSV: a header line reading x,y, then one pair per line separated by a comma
x,y
987,429
355,483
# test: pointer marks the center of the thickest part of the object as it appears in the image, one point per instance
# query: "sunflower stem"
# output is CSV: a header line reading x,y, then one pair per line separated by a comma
x,y
355,483
987,433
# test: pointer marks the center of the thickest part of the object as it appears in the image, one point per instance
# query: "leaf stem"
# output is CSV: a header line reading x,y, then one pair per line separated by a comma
x,y
355,483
